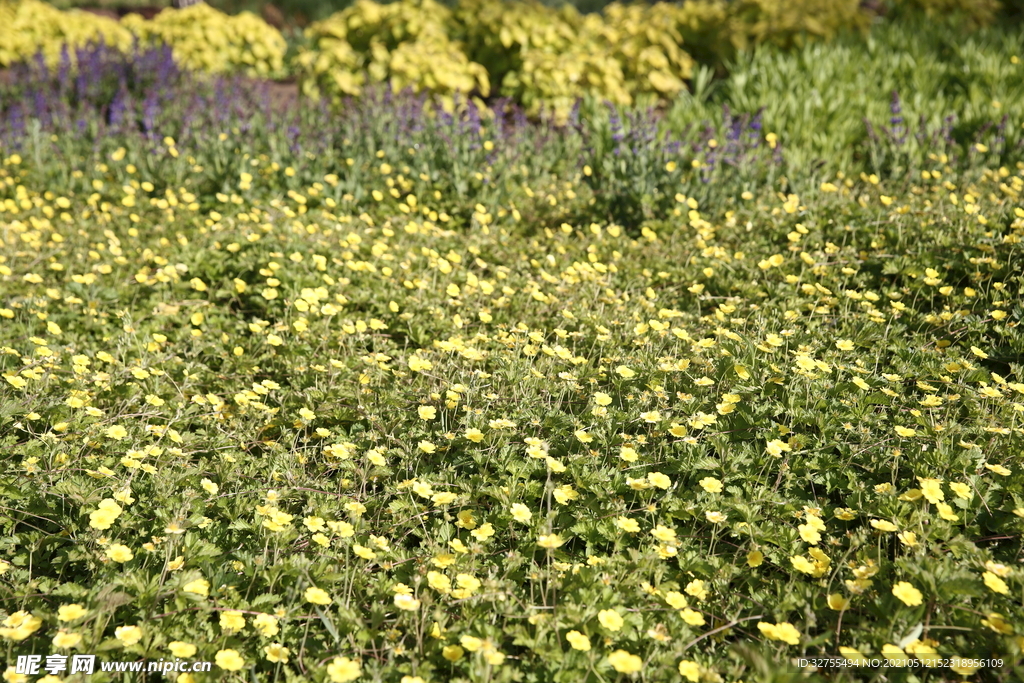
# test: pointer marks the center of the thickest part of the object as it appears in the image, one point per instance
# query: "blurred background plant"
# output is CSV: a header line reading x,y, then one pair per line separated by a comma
x,y
205,39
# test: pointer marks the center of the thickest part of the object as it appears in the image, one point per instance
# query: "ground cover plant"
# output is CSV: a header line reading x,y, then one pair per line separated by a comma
x,y
368,390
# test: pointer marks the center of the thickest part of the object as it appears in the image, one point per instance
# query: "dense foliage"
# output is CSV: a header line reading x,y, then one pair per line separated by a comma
x,y
409,390
204,39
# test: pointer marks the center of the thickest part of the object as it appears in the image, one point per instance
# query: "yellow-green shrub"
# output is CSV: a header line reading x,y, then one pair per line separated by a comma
x,y
497,34
405,44
366,22
30,26
205,39
547,58
646,41
552,81
789,23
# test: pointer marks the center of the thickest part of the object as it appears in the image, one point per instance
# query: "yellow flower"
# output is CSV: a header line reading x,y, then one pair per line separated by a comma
x,y
998,469
417,364
776,447
232,620
628,525
802,564
624,662
452,653
926,652
466,519
317,596
471,643
180,649
755,558
117,432
565,493
856,657
474,435
521,513
363,552
485,531
894,655
199,587
407,602
697,589
997,623
844,345
809,534
711,485
444,560
550,541
229,660
676,600
907,538
128,635
661,481
783,631
71,612
427,412
689,670
931,489
909,595
439,582
578,641
276,652
20,625
911,495
602,399
838,602
962,491
119,553
65,640
444,498
343,669
995,584
905,431
423,489
103,517
883,525
692,617
963,665
946,512
610,619
266,624
664,534
314,523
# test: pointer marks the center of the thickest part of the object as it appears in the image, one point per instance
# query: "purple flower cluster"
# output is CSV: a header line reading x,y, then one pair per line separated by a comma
x,y
101,92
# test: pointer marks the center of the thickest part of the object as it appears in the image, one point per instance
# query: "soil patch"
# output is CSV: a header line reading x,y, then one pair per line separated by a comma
x,y
284,95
